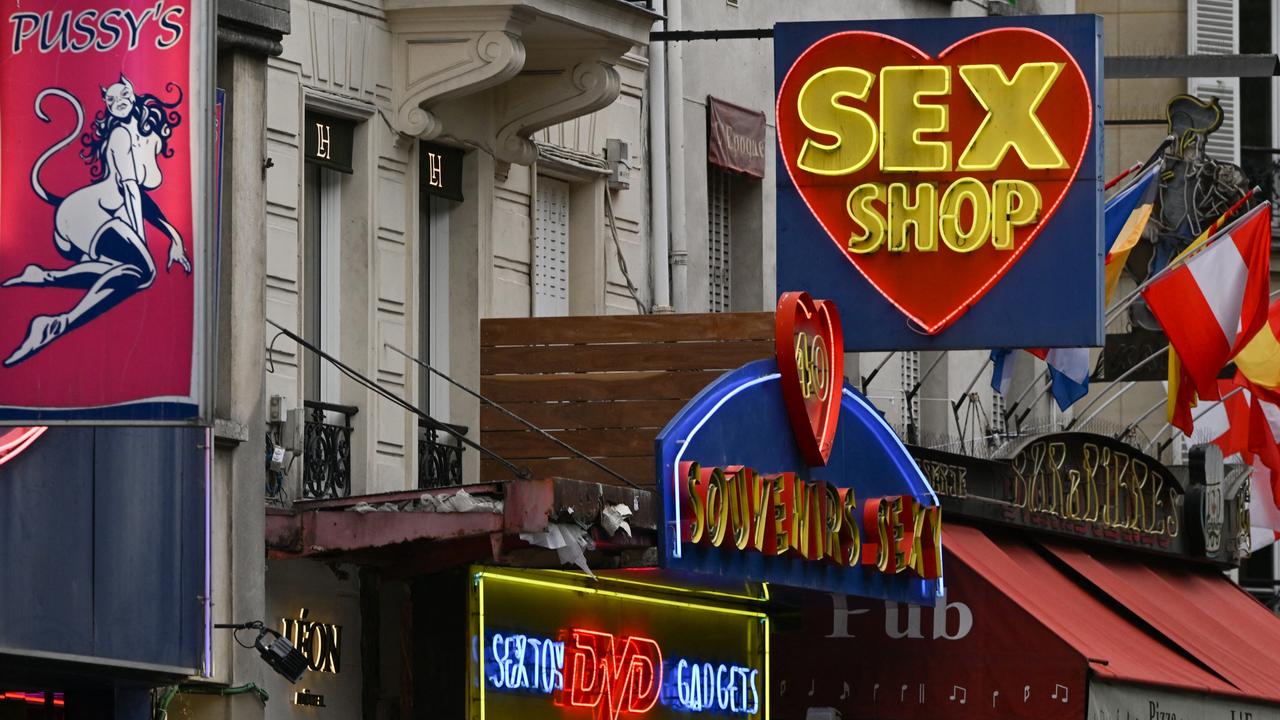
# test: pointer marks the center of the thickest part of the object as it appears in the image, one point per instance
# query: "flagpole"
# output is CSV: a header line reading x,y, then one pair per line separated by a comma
x,y
1127,172
1123,376
1190,252
1194,418
1008,412
906,407
955,406
866,381
1130,427
1084,420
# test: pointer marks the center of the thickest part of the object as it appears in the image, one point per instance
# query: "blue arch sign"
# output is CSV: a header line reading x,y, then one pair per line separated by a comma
x,y
746,496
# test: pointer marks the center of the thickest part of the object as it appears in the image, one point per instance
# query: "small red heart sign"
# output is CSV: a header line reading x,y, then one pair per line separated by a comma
x,y
934,175
810,348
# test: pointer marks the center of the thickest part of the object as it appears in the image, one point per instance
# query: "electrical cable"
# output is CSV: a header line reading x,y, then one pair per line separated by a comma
x,y
617,246
510,414
520,472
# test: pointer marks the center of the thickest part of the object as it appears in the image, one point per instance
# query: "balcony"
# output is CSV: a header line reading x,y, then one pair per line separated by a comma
x,y
439,456
326,473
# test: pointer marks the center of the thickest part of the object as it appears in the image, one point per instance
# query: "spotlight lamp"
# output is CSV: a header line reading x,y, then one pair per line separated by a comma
x,y
275,650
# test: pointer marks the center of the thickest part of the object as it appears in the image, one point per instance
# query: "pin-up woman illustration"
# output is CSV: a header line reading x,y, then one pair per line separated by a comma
x,y
100,227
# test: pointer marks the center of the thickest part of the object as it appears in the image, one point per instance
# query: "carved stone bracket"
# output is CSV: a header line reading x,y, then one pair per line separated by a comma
x,y
491,73
533,101
435,61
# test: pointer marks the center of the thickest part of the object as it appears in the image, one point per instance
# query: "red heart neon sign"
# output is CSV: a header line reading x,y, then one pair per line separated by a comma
x,y
810,349
962,159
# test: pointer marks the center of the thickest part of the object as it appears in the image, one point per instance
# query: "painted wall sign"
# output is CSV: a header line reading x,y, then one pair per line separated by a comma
x,y
735,137
1094,488
779,471
105,184
441,171
550,645
941,176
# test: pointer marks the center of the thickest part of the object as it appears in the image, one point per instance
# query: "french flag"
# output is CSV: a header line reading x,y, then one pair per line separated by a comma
x,y
1068,372
1211,305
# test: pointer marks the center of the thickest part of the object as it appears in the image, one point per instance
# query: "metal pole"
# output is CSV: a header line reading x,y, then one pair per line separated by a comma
x,y
955,406
1129,428
1008,412
1194,418
866,381
912,430
1128,386
1185,256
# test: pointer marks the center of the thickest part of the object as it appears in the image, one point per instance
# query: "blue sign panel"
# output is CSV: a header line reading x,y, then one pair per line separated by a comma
x,y
741,500
940,179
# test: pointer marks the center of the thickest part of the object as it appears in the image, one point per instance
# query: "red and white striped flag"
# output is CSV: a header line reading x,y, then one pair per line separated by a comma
x,y
1215,302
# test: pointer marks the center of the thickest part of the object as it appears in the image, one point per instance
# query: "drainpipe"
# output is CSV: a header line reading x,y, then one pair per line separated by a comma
x,y
659,270
676,159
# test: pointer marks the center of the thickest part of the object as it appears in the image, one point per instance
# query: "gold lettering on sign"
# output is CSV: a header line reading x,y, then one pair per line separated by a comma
x,y
320,643
435,170
1091,483
322,141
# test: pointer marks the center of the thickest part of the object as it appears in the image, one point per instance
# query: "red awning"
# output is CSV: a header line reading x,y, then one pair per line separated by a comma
x,y
1132,618
1029,630
1200,613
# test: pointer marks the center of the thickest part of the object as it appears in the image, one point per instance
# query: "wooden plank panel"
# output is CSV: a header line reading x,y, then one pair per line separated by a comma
x,y
626,328
626,356
638,470
615,442
582,415
599,386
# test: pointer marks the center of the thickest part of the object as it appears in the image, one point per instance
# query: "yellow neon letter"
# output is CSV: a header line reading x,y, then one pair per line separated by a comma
x,y
922,216
864,214
903,118
1011,120
950,218
1014,203
717,506
696,504
820,110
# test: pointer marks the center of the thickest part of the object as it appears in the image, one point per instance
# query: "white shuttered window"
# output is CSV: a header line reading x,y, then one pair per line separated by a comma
x,y
551,249
1213,28
719,233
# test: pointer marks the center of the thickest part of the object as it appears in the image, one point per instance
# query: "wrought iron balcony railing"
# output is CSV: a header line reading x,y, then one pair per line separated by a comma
x,y
327,451
439,456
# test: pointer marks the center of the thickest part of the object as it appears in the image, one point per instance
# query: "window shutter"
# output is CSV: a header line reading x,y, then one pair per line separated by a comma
x,y
719,232
551,249
1213,29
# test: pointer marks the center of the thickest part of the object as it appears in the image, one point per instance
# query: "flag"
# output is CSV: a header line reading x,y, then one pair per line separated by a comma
x,y
1068,373
1124,218
1259,360
1001,370
1182,395
1212,304
1264,516
1246,425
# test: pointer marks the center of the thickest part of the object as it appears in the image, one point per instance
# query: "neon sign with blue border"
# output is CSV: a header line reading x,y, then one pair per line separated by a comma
x,y
744,500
